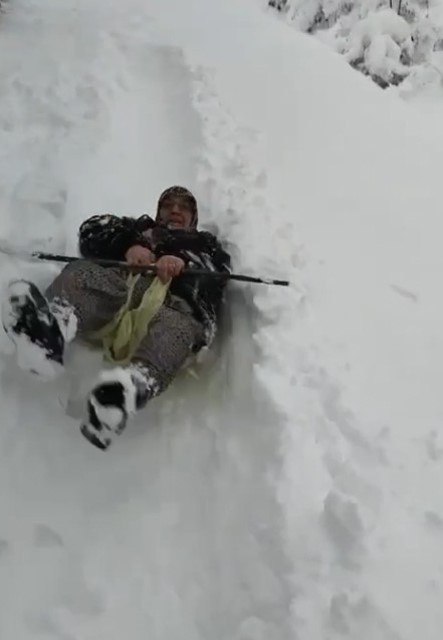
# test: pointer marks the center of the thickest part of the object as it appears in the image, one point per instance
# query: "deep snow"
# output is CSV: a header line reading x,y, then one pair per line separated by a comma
x,y
294,490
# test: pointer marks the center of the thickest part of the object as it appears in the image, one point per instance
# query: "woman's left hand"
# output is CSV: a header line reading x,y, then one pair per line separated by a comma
x,y
168,267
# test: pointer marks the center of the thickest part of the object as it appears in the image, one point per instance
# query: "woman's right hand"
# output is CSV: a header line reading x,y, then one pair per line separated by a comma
x,y
140,256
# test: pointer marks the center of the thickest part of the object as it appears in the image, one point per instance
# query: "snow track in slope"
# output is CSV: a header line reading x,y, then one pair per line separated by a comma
x,y
176,531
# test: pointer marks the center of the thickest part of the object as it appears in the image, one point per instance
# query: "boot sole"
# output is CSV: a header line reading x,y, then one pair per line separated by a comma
x,y
30,325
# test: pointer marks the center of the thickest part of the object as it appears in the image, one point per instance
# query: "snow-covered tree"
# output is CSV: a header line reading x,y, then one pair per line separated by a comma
x,y
386,39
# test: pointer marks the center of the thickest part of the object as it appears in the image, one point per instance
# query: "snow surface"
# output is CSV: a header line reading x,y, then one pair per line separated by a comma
x,y
295,490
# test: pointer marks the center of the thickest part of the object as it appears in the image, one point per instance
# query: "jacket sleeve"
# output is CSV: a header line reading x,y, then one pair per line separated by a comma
x,y
219,257
109,237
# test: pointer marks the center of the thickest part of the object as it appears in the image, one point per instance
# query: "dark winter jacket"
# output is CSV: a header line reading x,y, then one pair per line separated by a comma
x,y
109,237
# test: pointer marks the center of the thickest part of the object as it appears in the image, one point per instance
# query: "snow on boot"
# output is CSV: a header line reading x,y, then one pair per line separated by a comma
x,y
65,315
119,394
30,324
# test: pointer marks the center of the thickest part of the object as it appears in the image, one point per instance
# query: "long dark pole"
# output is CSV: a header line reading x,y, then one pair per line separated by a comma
x,y
38,255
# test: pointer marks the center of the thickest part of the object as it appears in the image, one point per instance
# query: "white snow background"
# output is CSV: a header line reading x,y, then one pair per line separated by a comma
x,y
295,490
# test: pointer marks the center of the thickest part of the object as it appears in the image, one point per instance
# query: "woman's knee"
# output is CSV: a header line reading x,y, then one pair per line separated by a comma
x,y
75,277
81,269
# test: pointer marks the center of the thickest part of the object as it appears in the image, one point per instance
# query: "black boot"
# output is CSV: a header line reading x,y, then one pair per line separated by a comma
x,y
119,394
30,324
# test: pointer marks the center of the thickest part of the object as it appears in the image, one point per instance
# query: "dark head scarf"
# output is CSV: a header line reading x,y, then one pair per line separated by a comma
x,y
183,194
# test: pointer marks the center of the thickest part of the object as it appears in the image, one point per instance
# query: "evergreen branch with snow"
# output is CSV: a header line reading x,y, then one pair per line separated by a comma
x,y
388,40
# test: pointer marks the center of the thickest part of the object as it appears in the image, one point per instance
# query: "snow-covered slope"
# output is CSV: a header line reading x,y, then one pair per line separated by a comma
x,y
294,491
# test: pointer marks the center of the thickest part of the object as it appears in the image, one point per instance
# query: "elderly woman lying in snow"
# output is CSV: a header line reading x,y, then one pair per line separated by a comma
x,y
87,300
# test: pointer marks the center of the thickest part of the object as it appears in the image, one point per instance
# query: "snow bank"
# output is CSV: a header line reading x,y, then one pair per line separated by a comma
x,y
353,218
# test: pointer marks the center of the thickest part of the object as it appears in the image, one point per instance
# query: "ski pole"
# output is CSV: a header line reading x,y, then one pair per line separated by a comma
x,y
52,257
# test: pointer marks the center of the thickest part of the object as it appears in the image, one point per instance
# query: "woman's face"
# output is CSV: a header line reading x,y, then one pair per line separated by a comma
x,y
176,213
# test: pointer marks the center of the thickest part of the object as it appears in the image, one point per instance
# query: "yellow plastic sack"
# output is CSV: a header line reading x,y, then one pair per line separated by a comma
x,y
121,337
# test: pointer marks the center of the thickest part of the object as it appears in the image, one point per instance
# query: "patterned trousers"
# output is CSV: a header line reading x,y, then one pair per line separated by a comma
x,y
96,293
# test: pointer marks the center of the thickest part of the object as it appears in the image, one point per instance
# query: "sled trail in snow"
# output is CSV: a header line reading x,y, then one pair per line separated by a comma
x,y
176,532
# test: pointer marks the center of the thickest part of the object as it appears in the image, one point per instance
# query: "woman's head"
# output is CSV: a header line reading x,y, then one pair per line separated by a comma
x,y
177,208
